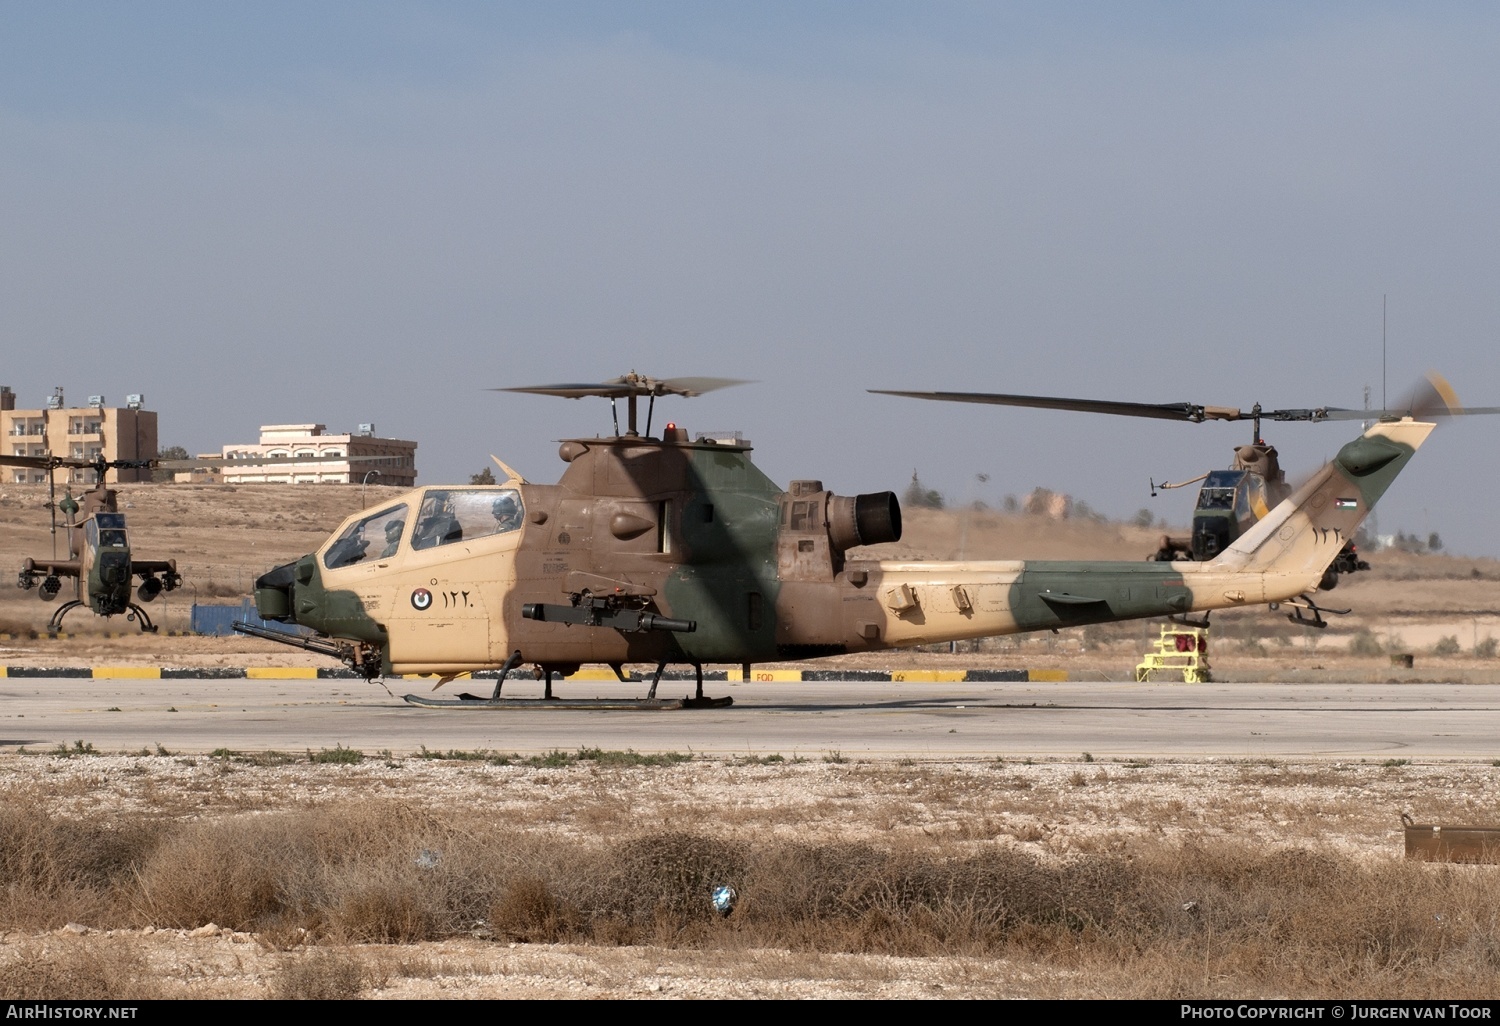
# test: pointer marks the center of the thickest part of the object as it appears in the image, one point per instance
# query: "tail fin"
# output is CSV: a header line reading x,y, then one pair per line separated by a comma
x,y
1305,532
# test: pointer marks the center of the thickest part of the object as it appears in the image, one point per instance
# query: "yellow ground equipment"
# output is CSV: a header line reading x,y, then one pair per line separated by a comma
x,y
1179,651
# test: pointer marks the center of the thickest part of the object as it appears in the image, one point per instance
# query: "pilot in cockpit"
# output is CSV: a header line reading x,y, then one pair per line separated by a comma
x,y
507,512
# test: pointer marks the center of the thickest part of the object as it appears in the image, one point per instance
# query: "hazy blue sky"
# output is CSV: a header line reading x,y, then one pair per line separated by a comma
x,y
263,212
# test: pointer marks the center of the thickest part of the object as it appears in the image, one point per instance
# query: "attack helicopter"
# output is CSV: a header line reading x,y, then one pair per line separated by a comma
x,y
1230,502
678,549
99,558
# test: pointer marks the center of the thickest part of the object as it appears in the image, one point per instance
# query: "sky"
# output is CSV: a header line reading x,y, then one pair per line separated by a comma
x,y
377,212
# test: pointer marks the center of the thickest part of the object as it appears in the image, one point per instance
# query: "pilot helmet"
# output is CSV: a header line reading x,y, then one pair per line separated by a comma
x,y
393,529
506,508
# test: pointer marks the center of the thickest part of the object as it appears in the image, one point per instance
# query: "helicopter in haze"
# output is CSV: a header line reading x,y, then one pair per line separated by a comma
x,y
1230,502
99,558
678,549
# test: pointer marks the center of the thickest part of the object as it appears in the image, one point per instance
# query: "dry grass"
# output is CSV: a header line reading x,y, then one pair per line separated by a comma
x,y
76,968
321,976
1194,916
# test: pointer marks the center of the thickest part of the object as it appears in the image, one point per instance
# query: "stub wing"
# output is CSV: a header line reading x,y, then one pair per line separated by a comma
x,y
51,567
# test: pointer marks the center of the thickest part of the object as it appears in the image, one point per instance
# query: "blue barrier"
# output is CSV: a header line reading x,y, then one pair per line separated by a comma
x,y
219,620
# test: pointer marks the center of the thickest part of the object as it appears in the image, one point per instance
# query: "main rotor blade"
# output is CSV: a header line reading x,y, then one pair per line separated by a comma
x,y
1432,398
46,462
254,461
578,391
697,386
629,385
1408,411
53,462
1155,411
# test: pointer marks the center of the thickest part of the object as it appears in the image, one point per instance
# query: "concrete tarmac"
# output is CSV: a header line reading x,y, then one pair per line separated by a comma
x,y
856,719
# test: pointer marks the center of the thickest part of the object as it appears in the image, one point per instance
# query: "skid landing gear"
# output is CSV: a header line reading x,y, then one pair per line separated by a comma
x,y
551,701
137,614
1304,605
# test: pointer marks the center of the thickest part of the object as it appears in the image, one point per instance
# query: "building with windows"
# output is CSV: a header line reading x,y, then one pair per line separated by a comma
x,y
396,465
81,432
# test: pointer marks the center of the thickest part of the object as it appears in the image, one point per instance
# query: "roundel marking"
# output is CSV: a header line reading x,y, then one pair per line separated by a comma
x,y
421,599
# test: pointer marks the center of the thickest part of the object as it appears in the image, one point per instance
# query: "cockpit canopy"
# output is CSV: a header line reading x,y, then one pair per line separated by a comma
x,y
105,530
443,516
1231,491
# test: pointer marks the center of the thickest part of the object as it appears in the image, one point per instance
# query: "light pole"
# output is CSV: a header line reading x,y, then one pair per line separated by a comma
x,y
368,474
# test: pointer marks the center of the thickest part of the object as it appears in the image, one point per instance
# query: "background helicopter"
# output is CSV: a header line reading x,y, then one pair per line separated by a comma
x,y
1232,501
679,549
99,559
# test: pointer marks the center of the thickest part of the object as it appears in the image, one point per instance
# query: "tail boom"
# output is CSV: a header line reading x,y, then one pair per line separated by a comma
x,y
901,604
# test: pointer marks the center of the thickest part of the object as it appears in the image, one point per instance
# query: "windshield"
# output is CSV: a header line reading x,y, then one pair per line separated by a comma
x,y
375,537
106,530
1219,488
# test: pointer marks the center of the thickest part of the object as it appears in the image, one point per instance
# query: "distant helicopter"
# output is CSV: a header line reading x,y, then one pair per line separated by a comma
x,y
99,559
1232,501
679,550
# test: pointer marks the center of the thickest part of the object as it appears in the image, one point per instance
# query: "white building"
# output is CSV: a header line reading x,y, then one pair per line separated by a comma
x,y
397,465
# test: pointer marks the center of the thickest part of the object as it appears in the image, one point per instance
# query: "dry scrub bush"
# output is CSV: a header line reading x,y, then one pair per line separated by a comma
x,y
320,976
1307,923
357,871
76,968
528,910
1200,918
647,888
53,870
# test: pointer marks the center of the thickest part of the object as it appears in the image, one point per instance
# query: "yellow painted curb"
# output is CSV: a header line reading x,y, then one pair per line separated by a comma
x,y
928,676
282,672
776,675
3,674
590,674
1047,676
434,677
127,673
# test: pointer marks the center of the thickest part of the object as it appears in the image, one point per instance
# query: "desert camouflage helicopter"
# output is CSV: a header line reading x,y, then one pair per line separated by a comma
x,y
679,550
99,559
1230,502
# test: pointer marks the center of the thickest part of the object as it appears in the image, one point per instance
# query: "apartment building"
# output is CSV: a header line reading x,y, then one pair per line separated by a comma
x,y
81,432
397,465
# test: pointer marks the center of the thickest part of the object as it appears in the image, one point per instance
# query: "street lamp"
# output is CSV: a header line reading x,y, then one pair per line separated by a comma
x,y
365,482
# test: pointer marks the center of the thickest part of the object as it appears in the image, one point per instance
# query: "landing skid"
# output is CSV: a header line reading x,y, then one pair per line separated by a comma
x,y
551,701
1305,605
142,620
597,704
